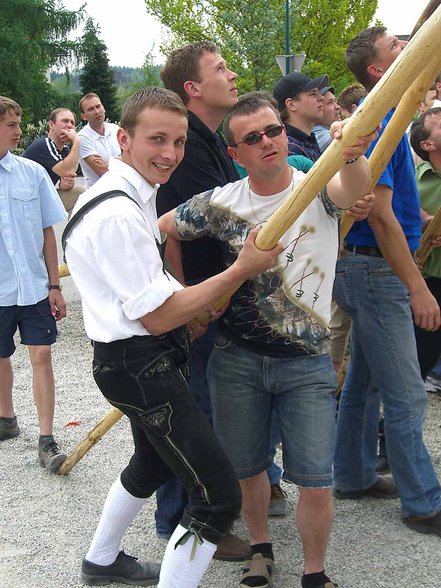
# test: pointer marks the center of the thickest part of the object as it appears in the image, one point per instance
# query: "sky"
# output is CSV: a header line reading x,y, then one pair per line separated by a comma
x,y
130,33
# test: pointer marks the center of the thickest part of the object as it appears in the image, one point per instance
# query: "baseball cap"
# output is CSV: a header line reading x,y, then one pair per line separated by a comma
x,y
326,89
295,82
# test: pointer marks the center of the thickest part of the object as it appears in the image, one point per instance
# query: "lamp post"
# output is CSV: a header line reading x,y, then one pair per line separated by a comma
x,y
289,62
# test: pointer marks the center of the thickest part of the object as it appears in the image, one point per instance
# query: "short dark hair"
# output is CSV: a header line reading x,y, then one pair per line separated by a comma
x,y
361,51
7,104
150,97
247,104
56,112
87,97
419,132
182,65
351,95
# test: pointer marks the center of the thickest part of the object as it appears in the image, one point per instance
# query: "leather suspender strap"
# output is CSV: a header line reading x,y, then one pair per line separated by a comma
x,y
75,219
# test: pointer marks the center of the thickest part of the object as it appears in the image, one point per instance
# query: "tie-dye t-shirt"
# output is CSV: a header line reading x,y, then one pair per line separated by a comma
x,y
286,310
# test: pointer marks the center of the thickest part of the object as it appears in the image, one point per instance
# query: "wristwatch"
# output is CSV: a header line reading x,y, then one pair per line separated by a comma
x,y
55,287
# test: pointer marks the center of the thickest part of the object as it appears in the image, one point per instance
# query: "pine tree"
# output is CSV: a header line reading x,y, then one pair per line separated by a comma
x,y
96,75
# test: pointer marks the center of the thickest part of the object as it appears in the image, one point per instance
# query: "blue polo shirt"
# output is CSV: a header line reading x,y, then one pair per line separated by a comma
x,y
29,203
399,175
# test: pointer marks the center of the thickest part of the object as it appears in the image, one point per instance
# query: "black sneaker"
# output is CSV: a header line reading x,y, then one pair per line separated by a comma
x,y
50,455
9,430
383,488
125,569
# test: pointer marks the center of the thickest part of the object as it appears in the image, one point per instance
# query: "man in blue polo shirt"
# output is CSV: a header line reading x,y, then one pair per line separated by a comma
x,y
30,292
376,279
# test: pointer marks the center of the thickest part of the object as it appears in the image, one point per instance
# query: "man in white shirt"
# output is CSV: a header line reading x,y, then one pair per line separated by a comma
x,y
134,312
98,142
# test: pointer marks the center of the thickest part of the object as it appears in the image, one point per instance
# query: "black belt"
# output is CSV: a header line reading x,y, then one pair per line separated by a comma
x,y
363,250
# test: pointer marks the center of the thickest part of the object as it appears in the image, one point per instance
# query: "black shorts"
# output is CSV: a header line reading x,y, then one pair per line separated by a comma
x,y
36,325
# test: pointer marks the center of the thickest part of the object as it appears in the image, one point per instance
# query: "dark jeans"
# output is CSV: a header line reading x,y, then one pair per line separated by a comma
x,y
429,342
145,377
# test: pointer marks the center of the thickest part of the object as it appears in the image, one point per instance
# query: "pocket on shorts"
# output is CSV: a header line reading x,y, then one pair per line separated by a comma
x,y
25,204
43,308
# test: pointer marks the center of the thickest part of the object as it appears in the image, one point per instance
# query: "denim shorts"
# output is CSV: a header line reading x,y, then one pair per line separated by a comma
x,y
246,387
36,325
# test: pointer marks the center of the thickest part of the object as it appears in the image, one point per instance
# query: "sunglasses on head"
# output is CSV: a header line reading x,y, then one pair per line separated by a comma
x,y
254,138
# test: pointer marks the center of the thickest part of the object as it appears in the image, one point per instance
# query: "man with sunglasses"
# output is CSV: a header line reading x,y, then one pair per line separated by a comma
x,y
271,349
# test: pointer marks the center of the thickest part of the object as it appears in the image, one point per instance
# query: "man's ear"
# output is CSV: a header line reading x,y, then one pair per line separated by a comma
x,y
123,139
374,71
192,89
427,145
82,116
291,105
232,152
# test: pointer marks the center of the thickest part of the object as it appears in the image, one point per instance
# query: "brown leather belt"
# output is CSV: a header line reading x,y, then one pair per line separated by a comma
x,y
363,250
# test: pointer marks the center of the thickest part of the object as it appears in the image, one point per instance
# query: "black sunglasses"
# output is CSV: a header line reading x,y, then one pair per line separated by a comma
x,y
254,138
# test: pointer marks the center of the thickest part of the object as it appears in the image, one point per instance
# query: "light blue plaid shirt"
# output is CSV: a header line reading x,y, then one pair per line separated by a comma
x,y
29,203
323,136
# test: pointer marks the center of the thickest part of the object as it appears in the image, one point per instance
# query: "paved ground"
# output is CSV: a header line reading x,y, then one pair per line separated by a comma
x,y
47,521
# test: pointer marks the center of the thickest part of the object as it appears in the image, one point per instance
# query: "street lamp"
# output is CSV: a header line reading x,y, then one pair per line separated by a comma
x,y
289,62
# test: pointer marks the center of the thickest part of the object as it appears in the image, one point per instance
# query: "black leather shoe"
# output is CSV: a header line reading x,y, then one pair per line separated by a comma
x,y
426,525
125,569
383,488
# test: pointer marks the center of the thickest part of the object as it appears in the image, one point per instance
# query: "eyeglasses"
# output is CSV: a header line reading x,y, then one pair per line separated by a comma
x,y
255,138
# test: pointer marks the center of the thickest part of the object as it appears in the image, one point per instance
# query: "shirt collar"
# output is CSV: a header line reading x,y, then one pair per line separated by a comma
x,y
298,134
424,167
96,135
129,173
6,162
200,128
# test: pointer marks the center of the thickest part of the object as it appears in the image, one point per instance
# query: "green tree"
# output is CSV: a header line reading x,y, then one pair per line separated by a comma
x,y
148,75
33,37
250,34
97,75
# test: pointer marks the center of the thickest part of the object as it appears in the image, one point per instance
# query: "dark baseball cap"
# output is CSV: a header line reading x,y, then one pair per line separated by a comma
x,y
326,89
295,82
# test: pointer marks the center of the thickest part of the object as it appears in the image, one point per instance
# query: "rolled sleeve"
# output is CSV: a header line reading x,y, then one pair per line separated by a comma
x,y
152,297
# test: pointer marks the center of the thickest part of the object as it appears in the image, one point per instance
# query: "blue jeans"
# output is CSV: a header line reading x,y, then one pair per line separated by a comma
x,y
383,366
245,389
171,497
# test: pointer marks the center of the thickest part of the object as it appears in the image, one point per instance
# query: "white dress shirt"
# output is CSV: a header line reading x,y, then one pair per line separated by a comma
x,y
113,257
92,143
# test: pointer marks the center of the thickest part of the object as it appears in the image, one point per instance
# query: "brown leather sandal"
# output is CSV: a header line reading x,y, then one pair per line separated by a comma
x,y
260,567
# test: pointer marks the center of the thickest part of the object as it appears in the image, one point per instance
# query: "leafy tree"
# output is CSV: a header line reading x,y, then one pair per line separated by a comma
x,y
97,75
250,34
148,75
33,37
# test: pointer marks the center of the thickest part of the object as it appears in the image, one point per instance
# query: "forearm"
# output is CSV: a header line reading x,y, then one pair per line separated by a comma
x,y
69,164
350,184
50,255
184,305
393,245
174,255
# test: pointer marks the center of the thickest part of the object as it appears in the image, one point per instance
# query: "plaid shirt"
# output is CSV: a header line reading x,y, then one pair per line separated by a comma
x,y
299,143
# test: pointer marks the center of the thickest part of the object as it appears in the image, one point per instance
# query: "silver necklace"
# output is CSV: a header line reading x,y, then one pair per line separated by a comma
x,y
291,186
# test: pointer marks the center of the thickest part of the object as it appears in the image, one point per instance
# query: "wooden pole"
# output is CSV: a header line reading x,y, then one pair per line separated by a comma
x,y
395,130
107,422
425,248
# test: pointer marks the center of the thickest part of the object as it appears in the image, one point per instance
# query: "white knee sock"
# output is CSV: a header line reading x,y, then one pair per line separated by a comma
x,y
119,511
178,568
